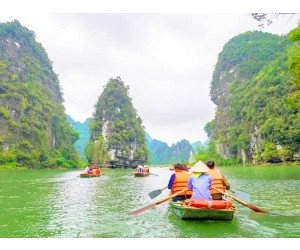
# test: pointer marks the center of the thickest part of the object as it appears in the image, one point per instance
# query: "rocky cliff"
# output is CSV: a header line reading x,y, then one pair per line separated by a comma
x,y
34,131
251,84
117,134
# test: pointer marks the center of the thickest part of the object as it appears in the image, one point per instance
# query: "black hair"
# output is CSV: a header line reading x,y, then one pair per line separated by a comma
x,y
210,164
178,165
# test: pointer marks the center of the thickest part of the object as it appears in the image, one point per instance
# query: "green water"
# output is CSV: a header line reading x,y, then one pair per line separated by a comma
x,y
57,203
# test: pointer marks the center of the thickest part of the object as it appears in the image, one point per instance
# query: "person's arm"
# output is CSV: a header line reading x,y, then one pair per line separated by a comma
x,y
190,185
226,183
209,182
171,181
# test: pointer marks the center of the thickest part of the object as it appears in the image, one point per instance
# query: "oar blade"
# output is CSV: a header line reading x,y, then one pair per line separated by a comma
x,y
256,209
141,210
155,193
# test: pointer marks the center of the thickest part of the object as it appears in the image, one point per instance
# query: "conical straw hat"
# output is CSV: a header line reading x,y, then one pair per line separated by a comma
x,y
199,167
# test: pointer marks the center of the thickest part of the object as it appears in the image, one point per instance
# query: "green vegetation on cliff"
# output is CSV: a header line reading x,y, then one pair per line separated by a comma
x,y
116,130
256,87
34,131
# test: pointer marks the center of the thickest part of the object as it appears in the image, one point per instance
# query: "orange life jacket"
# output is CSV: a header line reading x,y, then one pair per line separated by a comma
x,y
146,170
94,171
217,181
180,183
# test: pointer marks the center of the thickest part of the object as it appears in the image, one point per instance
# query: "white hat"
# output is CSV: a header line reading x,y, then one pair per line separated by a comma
x,y
199,167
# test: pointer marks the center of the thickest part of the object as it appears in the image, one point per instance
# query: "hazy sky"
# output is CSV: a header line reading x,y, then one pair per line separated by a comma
x,y
166,59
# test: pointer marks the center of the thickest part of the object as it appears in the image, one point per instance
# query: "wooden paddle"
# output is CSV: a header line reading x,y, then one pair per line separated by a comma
x,y
156,193
254,208
141,210
241,195
153,174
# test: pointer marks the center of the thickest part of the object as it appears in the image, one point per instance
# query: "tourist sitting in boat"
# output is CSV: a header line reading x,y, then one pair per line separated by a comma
x,y
140,169
178,181
98,172
95,171
218,181
145,169
200,182
87,170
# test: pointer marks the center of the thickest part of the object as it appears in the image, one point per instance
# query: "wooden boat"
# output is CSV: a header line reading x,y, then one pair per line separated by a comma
x,y
185,212
139,174
89,175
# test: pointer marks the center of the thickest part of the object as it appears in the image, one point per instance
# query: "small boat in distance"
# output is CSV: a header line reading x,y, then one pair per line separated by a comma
x,y
138,174
142,171
85,175
93,171
203,210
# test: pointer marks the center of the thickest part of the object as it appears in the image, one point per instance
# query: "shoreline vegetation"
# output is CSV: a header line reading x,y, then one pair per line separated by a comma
x,y
280,164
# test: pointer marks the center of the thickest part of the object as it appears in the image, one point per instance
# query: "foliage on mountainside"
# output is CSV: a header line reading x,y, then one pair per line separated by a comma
x,y
116,125
257,120
34,131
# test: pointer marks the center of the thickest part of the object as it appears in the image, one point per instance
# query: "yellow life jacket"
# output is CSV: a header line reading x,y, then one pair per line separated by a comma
x,y
217,181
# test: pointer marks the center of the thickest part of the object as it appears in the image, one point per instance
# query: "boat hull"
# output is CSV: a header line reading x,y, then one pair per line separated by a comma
x,y
137,174
192,213
89,175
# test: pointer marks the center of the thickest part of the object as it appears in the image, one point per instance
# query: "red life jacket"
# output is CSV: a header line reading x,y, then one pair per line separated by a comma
x,y
180,183
217,181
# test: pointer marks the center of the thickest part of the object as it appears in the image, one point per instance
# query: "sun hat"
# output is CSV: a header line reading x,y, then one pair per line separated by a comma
x,y
199,167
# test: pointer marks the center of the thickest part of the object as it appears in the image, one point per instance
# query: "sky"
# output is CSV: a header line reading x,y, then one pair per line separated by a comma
x,y
167,60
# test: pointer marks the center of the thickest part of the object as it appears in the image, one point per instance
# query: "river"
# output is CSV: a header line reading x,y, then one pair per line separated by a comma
x,y
59,204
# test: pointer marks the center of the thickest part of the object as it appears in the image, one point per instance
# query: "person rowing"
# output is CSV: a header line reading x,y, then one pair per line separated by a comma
x,y
218,181
178,181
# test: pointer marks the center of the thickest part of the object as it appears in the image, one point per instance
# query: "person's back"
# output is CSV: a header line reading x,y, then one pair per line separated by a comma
x,y
98,172
178,182
140,169
200,182
218,181
94,171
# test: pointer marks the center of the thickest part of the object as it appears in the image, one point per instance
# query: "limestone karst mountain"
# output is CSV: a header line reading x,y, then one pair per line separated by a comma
x,y
117,134
34,131
255,120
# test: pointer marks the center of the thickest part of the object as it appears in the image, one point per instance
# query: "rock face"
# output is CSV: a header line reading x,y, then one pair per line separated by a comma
x,y
34,131
251,84
117,135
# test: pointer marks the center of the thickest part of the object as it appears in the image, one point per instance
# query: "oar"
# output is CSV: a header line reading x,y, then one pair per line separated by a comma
x,y
156,193
141,210
154,174
254,208
241,195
